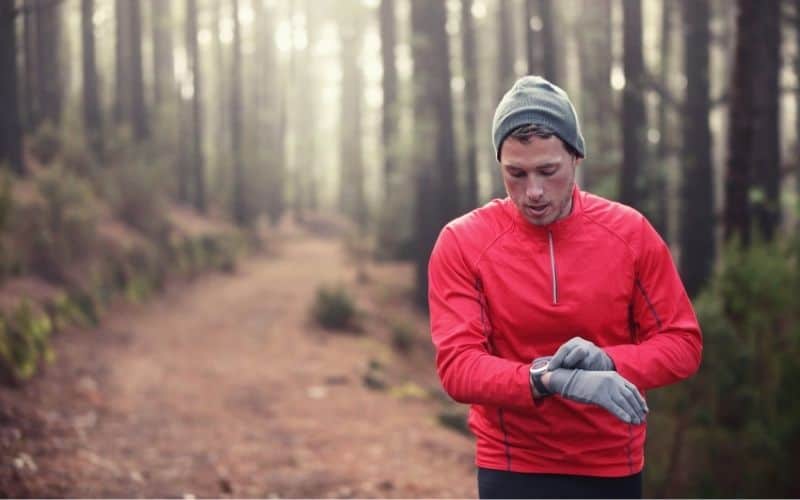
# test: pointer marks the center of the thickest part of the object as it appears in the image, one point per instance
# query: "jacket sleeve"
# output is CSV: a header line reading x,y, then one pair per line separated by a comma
x,y
668,342
459,328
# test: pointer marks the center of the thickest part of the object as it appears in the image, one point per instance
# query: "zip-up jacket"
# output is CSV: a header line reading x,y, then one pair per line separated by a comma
x,y
503,292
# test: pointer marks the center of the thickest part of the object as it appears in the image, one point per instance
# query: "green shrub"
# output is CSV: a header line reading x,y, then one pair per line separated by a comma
x,y
136,197
334,309
24,342
46,142
403,336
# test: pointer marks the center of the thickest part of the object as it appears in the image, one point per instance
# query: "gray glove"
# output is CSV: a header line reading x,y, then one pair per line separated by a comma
x,y
606,389
581,353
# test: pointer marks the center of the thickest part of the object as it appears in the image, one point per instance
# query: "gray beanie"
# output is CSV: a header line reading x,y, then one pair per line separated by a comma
x,y
535,101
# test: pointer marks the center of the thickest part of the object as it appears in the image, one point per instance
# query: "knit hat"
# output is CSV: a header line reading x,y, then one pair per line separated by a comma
x,y
534,100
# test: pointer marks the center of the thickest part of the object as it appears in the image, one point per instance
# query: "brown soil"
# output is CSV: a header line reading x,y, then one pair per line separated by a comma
x,y
223,387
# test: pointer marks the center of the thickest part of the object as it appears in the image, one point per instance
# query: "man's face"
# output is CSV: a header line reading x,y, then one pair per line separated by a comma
x,y
539,176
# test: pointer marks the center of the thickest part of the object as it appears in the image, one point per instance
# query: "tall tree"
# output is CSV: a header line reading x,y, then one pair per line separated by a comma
x,y
92,116
239,206
352,199
122,73
550,55
505,70
470,65
532,49
141,130
753,151
196,120
271,107
436,178
163,65
32,117
596,97
634,120
10,128
48,43
697,207
390,116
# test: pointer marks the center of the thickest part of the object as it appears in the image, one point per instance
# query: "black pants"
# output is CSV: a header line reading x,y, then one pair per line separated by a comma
x,y
504,484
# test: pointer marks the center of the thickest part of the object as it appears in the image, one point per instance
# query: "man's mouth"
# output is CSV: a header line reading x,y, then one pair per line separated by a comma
x,y
537,210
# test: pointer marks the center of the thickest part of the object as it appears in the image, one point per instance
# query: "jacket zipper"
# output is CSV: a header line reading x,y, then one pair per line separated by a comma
x,y
553,271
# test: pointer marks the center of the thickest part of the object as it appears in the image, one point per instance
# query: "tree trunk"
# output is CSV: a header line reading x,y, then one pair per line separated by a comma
x,y
193,63
122,73
10,128
697,207
532,55
351,193
436,179
48,32
505,73
390,95
550,53
753,154
138,105
634,121
470,66
32,115
597,101
239,207
163,65
92,116
271,109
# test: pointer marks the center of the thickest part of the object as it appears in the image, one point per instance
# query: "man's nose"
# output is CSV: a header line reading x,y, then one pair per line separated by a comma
x,y
534,189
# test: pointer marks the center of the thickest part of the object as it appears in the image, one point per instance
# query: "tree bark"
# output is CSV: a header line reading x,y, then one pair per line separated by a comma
x,y
532,52
470,66
390,117
505,73
193,62
92,115
634,121
753,153
163,60
48,30
550,53
351,195
32,118
697,207
122,75
10,128
141,129
436,179
239,206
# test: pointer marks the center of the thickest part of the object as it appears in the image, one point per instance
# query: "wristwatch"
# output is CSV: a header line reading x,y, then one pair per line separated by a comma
x,y
538,368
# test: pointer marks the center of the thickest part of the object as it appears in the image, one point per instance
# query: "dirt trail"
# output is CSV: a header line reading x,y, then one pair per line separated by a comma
x,y
223,387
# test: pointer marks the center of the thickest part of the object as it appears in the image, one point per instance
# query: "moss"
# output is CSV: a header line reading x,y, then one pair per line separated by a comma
x,y
25,342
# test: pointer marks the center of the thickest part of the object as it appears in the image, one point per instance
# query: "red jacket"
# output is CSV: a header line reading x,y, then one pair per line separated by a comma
x,y
503,292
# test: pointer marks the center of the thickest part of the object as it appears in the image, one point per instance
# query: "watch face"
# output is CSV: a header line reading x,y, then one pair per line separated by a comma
x,y
540,364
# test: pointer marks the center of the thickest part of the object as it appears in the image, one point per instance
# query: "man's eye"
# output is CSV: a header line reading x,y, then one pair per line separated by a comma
x,y
518,173
548,172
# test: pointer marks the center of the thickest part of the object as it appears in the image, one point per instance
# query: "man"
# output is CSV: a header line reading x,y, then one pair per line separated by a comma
x,y
552,311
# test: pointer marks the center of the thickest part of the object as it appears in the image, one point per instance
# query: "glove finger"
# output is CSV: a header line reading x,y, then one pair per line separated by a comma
x,y
638,396
622,402
575,357
635,401
561,353
617,411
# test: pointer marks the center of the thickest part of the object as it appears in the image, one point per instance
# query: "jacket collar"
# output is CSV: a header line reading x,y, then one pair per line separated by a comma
x,y
560,228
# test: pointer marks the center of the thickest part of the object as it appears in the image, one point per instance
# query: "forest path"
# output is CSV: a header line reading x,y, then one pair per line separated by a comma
x,y
224,387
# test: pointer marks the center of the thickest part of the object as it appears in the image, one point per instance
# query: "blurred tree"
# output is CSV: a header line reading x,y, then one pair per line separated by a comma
x,y
596,98
352,200
505,72
219,110
754,153
92,114
532,55
271,109
10,127
193,65
48,70
471,100
31,81
697,200
550,54
122,73
239,208
141,130
436,178
634,120
163,59
388,29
